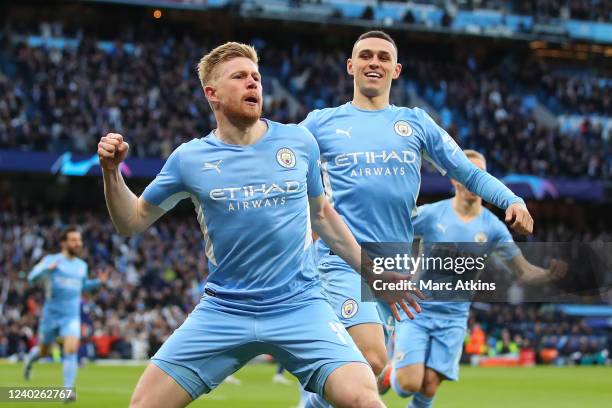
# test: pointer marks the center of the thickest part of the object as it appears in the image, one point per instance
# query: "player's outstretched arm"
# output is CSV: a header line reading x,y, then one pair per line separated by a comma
x,y
92,284
41,269
448,157
493,191
130,214
328,224
533,275
519,219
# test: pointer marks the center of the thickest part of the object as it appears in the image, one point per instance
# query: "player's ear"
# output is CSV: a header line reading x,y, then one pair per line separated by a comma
x,y
455,183
397,71
349,66
211,93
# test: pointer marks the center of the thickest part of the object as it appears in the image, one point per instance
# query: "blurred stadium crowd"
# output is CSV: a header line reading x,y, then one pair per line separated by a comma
x,y
155,281
158,278
536,334
63,98
591,10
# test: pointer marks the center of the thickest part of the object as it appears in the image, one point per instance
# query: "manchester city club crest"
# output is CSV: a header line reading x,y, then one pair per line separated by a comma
x,y
349,308
403,128
286,158
398,355
480,237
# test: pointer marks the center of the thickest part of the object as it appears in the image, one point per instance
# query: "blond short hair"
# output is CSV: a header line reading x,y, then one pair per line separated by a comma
x,y
473,154
208,63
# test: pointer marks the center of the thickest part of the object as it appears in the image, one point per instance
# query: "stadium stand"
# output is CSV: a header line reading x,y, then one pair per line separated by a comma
x,y
158,278
149,90
545,330
155,283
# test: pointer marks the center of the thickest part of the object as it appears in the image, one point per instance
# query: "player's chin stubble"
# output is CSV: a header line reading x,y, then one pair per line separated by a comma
x,y
243,116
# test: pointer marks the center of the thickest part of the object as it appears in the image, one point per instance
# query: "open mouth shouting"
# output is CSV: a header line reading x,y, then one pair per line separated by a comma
x,y
251,100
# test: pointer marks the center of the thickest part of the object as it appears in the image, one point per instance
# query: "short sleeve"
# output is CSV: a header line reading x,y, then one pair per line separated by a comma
x,y
313,181
310,123
167,189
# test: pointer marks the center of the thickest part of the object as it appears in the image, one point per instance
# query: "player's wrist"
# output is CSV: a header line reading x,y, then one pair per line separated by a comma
x,y
109,166
367,270
518,201
110,171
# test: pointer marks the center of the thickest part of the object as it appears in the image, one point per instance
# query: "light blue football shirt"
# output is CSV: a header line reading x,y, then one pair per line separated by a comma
x,y
63,284
371,162
252,206
438,222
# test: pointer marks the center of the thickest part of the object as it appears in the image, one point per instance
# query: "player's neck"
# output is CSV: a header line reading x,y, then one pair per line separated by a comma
x,y
466,210
375,103
67,255
240,134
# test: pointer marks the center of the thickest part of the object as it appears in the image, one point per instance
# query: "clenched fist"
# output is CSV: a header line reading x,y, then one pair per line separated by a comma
x,y
112,150
519,218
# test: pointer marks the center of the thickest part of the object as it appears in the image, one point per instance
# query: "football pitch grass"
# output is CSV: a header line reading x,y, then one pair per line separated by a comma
x,y
537,387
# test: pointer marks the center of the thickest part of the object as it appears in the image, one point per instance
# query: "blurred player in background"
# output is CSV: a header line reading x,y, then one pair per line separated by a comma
x,y
371,155
65,277
279,376
252,182
428,348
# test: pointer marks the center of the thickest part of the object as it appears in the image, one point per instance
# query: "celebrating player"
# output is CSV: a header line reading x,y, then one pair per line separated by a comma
x,y
371,155
428,348
66,276
252,182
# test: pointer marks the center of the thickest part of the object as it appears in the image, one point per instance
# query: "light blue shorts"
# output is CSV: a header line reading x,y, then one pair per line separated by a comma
x,y
435,342
343,286
218,338
50,328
